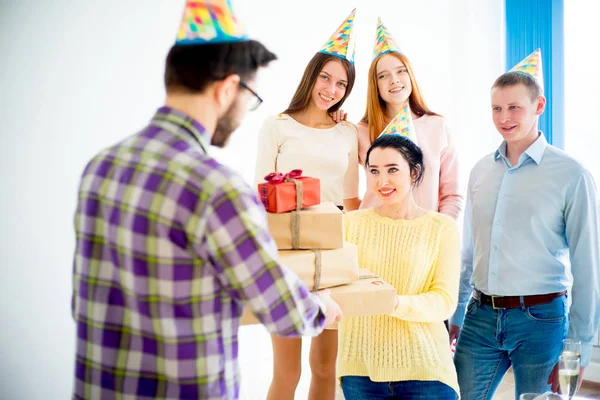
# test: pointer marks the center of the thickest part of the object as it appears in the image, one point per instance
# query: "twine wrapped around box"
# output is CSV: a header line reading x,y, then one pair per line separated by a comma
x,y
316,227
322,269
368,296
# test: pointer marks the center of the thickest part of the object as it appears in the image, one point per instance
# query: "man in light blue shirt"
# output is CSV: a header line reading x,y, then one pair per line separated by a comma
x,y
530,242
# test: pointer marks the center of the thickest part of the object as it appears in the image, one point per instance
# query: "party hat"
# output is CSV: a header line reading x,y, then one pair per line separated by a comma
x,y
339,43
384,42
532,65
402,124
209,21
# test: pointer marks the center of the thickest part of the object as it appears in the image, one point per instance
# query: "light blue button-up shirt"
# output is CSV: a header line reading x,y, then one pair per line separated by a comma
x,y
532,229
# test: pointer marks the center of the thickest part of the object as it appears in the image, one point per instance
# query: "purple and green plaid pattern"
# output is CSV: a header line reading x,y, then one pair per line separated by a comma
x,y
170,246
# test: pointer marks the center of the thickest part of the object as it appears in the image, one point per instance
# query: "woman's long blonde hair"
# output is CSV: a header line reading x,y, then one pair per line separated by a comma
x,y
375,116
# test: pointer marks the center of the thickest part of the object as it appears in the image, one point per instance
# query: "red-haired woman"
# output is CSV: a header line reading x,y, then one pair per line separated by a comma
x,y
391,83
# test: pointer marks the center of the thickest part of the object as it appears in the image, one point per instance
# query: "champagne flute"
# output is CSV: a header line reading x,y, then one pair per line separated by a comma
x,y
571,348
568,375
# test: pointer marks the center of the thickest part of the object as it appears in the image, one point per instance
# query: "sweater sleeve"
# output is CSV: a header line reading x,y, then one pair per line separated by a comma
x,y
450,199
268,149
439,301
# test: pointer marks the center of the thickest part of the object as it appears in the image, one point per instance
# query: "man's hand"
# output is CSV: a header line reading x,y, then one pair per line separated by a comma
x,y
454,331
338,116
333,313
554,381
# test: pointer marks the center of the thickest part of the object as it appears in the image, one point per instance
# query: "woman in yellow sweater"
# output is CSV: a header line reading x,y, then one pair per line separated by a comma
x,y
404,355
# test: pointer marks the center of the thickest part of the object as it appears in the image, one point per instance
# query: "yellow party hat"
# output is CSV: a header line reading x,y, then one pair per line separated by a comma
x,y
339,43
209,21
384,42
532,65
402,124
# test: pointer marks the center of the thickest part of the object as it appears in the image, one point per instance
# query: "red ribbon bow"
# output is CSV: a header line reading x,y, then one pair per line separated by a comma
x,y
278,177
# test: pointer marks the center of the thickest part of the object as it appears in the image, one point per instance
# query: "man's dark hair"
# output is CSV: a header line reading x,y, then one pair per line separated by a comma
x,y
191,68
513,78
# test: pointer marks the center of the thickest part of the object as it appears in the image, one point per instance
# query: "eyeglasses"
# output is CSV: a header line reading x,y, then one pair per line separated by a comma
x,y
255,101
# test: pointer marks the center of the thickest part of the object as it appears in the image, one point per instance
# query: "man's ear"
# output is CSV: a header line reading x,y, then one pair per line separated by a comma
x,y
541,105
226,90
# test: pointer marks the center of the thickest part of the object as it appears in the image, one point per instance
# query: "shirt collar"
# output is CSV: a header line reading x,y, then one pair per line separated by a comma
x,y
182,124
535,151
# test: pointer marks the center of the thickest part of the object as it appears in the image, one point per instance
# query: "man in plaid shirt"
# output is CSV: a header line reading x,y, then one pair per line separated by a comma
x,y
171,245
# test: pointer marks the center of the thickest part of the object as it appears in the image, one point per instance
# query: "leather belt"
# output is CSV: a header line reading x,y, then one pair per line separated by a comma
x,y
501,302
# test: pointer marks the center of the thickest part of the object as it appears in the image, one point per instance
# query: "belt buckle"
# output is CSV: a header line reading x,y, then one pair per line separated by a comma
x,y
494,303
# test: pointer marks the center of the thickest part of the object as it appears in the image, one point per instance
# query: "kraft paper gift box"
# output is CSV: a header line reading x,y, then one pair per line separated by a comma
x,y
368,296
322,269
317,227
292,191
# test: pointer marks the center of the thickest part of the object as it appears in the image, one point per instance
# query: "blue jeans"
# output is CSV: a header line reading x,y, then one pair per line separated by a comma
x,y
490,341
363,388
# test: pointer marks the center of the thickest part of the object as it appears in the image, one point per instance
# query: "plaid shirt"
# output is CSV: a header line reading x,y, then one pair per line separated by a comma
x,y
170,247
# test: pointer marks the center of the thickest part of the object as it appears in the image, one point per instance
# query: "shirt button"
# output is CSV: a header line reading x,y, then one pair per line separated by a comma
x,y
503,196
495,247
493,274
510,172
498,222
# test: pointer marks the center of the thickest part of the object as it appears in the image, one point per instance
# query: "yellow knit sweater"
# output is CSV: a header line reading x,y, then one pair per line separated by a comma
x,y
421,258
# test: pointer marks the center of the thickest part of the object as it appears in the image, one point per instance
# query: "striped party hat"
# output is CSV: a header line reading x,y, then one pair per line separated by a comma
x,y
339,43
384,42
209,21
532,65
402,124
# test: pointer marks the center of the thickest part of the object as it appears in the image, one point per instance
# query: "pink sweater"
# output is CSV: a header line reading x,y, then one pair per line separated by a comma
x,y
439,190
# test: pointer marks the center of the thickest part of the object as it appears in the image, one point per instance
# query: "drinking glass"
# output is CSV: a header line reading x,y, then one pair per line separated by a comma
x,y
568,375
571,348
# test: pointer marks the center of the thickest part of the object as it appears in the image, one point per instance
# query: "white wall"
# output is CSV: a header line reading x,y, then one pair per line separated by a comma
x,y
77,76
582,119
582,86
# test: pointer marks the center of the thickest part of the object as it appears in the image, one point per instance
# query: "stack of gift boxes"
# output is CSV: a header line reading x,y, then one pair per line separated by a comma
x,y
310,238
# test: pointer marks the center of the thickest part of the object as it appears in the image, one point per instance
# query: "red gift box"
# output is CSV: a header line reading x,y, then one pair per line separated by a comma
x,y
288,192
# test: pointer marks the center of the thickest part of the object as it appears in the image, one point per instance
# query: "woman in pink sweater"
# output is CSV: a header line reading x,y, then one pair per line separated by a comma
x,y
391,83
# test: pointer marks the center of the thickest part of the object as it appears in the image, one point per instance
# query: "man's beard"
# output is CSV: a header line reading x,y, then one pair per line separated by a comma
x,y
226,125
